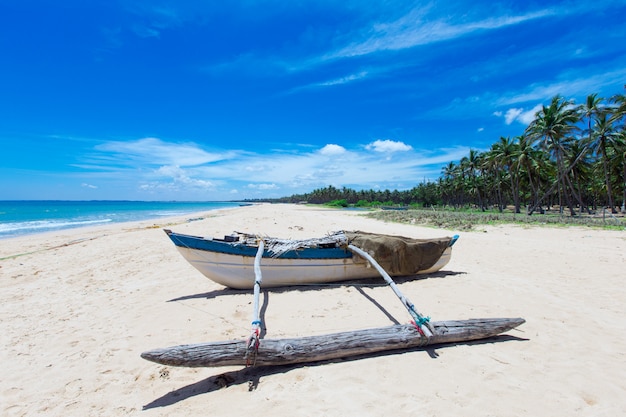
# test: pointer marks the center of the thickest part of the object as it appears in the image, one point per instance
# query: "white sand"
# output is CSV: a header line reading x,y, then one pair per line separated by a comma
x,y
76,313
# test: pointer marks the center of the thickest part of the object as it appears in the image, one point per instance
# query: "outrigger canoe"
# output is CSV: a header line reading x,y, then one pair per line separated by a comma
x,y
230,261
313,259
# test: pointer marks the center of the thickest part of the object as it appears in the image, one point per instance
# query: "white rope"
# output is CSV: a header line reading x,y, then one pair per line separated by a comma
x,y
253,341
258,278
419,319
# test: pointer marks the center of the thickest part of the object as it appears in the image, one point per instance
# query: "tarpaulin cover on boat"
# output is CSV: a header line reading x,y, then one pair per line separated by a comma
x,y
399,255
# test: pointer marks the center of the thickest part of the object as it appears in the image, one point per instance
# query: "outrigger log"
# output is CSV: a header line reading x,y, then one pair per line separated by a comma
x,y
330,346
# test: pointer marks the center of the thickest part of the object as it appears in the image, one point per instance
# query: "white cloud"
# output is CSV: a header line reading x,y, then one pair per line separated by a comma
x,y
88,185
181,176
529,115
331,150
388,146
511,115
519,115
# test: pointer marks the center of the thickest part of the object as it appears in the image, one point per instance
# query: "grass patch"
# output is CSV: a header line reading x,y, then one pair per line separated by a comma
x,y
468,220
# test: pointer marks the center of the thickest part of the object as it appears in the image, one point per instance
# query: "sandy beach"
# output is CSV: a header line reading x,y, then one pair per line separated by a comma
x,y
78,307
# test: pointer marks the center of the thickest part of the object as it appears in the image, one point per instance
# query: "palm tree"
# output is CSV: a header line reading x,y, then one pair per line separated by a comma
x,y
550,129
492,168
620,148
506,151
620,111
471,165
530,160
590,110
448,183
604,135
578,159
619,114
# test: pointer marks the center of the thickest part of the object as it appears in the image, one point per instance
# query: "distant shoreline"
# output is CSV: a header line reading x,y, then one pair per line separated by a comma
x,y
29,217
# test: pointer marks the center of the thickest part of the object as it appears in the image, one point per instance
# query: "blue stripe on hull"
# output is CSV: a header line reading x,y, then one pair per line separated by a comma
x,y
237,248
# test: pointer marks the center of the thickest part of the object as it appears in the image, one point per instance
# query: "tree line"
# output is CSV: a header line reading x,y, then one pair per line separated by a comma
x,y
571,156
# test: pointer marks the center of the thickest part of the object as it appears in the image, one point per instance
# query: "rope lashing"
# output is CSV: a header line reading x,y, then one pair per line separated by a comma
x,y
422,322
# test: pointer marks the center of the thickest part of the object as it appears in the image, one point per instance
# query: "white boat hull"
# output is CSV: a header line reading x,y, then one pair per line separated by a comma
x,y
237,271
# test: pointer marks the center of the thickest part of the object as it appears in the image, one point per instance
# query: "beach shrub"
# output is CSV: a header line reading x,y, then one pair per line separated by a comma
x,y
338,203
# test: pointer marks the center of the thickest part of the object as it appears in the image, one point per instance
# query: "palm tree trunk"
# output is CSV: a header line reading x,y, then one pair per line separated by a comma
x,y
607,177
556,184
500,202
564,183
535,192
624,193
575,192
515,191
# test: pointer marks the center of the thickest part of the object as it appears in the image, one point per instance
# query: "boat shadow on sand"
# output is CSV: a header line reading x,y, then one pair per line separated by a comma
x,y
366,283
252,375
356,284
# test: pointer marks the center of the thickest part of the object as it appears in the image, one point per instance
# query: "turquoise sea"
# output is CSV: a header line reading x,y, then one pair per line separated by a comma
x,y
27,217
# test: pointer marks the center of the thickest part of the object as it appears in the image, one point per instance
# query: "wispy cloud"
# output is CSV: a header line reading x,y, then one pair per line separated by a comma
x,y
331,83
343,80
423,25
418,28
263,186
569,84
153,151
521,104
144,31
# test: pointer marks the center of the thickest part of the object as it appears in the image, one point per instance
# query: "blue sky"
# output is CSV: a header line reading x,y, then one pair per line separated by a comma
x,y
226,100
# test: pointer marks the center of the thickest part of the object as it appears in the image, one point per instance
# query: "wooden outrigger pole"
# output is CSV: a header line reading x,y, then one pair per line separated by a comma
x,y
330,346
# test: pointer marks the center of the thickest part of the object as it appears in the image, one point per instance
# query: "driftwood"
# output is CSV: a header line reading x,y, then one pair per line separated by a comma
x,y
330,346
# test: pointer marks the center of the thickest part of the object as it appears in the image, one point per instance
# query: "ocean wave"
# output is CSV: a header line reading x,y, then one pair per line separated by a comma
x,y
41,225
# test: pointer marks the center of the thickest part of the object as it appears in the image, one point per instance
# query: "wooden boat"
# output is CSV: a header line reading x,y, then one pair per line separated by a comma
x,y
330,346
230,261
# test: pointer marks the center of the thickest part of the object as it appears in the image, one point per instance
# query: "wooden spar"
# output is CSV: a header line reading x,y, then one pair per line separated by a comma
x,y
419,319
258,278
330,346
253,341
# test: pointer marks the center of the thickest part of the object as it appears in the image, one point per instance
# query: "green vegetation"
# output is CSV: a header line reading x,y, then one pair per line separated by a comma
x,y
338,203
470,220
570,159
